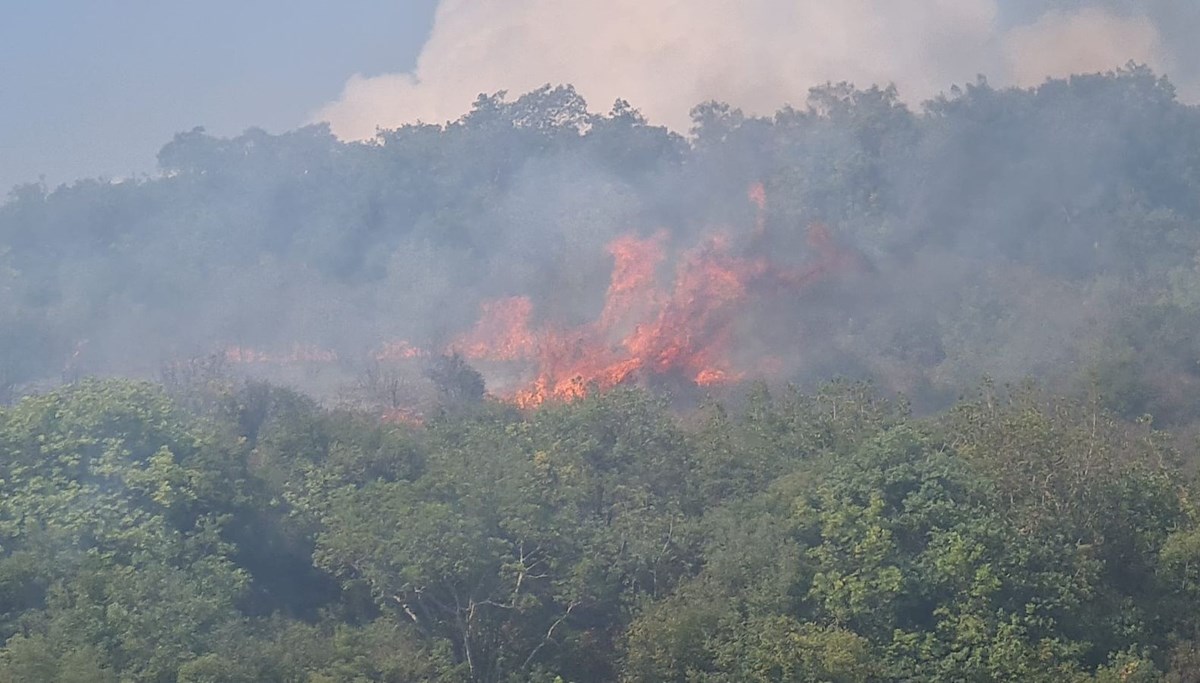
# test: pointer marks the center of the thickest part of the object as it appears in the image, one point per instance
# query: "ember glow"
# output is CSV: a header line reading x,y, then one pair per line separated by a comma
x,y
299,353
399,350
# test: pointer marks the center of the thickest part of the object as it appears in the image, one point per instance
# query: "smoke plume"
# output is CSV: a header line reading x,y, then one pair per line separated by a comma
x,y
668,55
1065,43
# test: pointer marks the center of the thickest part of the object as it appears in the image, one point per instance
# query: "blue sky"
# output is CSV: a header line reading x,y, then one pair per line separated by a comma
x,y
96,87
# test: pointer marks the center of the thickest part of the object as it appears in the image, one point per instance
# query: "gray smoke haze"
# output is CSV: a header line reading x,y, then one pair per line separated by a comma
x,y
1006,231
667,55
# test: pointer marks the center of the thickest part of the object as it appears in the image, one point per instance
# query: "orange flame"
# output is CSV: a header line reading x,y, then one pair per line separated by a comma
x,y
686,330
634,286
502,332
399,350
300,353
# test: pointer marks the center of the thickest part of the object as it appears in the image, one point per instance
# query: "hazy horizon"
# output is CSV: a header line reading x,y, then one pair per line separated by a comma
x,y
96,89
76,108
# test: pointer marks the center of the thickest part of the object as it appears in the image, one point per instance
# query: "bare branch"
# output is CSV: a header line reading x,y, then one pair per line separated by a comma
x,y
549,634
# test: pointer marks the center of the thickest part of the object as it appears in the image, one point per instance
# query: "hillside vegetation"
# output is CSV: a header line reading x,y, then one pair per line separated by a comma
x,y
1010,233
968,455
800,537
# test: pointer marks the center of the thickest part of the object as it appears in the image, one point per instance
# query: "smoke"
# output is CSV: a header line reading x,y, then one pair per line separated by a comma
x,y
666,56
1064,43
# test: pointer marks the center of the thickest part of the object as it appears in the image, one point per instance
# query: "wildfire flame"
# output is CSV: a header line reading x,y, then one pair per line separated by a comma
x,y
300,353
399,350
502,332
686,329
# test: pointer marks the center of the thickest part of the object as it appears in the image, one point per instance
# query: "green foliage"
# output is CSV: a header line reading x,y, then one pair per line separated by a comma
x,y
221,530
826,536
780,649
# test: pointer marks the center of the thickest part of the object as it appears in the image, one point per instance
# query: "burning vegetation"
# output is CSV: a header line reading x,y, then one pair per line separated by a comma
x,y
664,318
397,526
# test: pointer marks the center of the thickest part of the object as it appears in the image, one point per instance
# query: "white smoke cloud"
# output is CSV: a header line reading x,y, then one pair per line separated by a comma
x,y
1088,40
666,56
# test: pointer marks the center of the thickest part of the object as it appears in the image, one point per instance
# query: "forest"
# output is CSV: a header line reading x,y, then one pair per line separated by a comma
x,y
859,391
